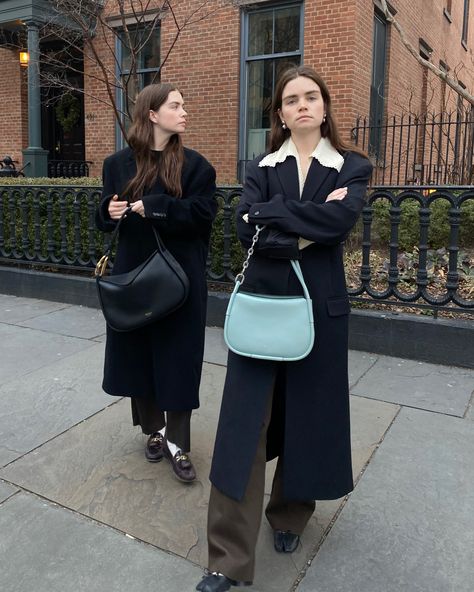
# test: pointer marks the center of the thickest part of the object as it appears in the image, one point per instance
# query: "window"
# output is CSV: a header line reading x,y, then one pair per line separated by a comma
x,y
272,40
465,24
425,52
138,64
377,87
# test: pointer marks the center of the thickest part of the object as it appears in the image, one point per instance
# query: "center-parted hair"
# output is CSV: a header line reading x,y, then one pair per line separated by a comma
x,y
328,128
168,168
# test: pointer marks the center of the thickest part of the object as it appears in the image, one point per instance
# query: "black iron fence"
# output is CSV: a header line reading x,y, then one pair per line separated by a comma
x,y
431,149
68,168
413,246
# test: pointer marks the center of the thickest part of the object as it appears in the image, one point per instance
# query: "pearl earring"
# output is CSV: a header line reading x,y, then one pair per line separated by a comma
x,y
283,125
324,118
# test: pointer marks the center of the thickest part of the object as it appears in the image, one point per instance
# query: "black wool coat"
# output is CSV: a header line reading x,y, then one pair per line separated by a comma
x,y
164,359
310,423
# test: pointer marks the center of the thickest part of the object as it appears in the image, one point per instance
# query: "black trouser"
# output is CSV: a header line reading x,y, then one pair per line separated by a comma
x,y
147,414
233,526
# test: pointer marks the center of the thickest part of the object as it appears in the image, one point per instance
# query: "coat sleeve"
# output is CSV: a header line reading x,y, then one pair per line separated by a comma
x,y
102,219
272,242
194,213
326,223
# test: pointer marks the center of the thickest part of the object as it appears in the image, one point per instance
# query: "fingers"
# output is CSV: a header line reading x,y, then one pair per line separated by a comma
x,y
337,194
138,207
117,208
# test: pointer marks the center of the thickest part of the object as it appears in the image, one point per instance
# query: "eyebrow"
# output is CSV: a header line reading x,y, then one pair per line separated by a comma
x,y
310,92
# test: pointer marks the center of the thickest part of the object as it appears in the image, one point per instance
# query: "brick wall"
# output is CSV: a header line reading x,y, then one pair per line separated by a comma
x,y
205,64
13,98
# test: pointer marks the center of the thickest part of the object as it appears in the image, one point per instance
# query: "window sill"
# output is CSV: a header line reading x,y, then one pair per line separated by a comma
x,y
447,14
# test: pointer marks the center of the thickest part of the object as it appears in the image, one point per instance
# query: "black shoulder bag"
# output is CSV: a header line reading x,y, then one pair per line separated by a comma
x,y
145,294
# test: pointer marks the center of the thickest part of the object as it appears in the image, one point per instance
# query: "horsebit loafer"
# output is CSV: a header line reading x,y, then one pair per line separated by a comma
x,y
217,582
181,463
285,541
154,447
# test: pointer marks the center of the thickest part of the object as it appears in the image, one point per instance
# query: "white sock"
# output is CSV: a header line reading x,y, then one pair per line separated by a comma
x,y
173,448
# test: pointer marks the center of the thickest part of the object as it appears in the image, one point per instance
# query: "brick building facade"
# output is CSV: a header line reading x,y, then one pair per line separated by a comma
x,y
226,65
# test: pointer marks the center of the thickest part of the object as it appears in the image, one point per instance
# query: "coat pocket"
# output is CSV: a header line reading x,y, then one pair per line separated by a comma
x,y
338,306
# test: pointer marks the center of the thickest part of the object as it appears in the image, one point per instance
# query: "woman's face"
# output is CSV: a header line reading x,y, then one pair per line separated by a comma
x,y
171,116
302,105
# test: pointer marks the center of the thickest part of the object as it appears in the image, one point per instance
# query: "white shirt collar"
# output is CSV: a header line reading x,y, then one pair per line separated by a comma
x,y
324,153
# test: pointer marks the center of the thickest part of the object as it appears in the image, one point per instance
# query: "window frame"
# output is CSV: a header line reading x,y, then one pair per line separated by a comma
x,y
465,25
119,139
245,59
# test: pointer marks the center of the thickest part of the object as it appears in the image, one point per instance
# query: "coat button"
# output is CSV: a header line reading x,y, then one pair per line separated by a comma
x,y
256,213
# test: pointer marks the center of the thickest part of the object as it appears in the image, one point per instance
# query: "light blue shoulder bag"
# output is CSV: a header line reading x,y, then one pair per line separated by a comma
x,y
269,327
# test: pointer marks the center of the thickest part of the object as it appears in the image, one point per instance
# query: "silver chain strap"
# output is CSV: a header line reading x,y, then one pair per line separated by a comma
x,y
240,277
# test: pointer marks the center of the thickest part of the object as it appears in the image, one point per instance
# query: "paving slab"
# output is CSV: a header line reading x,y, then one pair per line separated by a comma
x,y
6,491
14,309
25,350
98,469
46,548
75,321
470,412
443,389
359,363
215,348
53,399
409,524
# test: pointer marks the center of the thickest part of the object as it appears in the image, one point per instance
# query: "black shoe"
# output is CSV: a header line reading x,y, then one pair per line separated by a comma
x,y
285,541
154,447
182,466
214,582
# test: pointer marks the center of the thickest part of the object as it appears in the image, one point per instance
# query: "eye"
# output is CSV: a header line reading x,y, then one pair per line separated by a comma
x,y
290,101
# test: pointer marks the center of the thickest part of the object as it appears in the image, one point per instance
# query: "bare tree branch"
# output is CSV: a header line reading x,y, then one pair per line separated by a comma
x,y
451,82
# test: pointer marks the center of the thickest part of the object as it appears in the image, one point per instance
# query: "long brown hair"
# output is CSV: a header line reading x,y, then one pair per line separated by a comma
x,y
328,128
140,139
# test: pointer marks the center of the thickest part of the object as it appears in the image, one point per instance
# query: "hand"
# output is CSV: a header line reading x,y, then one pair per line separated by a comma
x,y
117,208
337,194
138,207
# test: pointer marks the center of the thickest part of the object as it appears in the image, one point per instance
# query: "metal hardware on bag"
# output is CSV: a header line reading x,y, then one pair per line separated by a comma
x,y
101,266
240,277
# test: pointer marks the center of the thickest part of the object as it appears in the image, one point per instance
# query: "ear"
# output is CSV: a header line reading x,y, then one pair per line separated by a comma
x,y
280,115
152,116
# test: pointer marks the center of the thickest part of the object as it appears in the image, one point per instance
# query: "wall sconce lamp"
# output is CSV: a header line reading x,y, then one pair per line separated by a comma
x,y
24,58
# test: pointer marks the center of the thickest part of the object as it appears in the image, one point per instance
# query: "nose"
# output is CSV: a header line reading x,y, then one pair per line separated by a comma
x,y
184,113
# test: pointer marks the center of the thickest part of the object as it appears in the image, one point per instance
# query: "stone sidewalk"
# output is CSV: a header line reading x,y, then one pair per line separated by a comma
x,y
82,511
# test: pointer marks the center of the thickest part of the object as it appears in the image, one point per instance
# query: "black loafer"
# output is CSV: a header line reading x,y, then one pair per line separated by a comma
x,y
285,541
154,447
214,582
181,463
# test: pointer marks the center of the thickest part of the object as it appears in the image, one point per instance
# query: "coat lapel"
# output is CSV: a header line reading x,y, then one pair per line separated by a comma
x,y
287,173
316,176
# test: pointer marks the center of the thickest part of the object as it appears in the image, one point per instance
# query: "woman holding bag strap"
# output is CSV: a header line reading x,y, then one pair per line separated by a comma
x,y
171,188
307,192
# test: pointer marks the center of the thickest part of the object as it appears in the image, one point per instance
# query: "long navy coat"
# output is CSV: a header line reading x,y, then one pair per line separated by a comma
x,y
310,423
164,359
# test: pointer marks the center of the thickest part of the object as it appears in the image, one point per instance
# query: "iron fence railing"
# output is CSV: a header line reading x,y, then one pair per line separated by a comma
x,y
54,227
68,168
429,149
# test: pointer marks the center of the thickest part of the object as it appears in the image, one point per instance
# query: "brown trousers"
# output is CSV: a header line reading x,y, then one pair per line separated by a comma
x,y
233,526
146,414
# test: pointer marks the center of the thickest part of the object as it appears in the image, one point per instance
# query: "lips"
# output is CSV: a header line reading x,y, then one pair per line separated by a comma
x,y
304,117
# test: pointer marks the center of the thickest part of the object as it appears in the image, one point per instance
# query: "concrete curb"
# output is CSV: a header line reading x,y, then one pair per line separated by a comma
x,y
438,341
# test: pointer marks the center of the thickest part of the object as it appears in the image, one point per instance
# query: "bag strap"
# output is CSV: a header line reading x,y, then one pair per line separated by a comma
x,y
103,261
240,277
